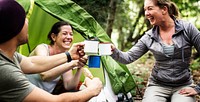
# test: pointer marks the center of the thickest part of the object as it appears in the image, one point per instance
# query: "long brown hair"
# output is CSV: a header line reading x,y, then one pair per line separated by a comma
x,y
172,8
56,29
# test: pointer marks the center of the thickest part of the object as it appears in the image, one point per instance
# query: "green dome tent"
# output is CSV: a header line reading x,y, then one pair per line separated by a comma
x,y
42,14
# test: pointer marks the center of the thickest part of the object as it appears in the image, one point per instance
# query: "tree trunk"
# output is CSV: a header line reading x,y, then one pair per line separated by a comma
x,y
141,12
121,38
111,16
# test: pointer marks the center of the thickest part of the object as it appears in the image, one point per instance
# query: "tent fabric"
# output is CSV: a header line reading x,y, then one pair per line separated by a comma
x,y
83,23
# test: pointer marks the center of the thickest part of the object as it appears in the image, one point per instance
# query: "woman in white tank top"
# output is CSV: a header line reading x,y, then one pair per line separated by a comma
x,y
61,37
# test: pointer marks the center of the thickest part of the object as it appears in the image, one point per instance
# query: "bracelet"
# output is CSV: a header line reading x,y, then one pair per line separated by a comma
x,y
69,58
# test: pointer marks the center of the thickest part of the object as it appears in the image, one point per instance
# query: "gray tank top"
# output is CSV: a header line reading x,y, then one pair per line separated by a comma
x,y
168,49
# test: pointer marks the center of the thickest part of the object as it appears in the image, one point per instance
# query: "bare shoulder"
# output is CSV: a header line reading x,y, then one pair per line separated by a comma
x,y
41,49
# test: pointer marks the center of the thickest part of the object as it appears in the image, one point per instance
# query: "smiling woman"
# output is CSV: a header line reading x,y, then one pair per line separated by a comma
x,y
61,37
171,41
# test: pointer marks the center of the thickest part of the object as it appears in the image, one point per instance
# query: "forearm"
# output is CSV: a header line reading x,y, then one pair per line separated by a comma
x,y
72,83
77,75
39,95
37,64
80,96
56,72
121,57
131,55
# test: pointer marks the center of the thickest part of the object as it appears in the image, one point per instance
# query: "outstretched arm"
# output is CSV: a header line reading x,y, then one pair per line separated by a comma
x,y
93,89
37,64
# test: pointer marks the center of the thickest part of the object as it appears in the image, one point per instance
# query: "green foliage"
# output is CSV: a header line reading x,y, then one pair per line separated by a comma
x,y
195,61
97,8
195,64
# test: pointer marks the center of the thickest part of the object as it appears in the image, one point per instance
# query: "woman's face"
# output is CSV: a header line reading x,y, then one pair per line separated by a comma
x,y
153,13
64,38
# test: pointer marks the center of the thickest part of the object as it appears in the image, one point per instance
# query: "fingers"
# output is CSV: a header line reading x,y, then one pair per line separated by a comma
x,y
187,92
87,78
78,64
79,45
87,73
183,92
85,56
94,84
77,51
81,51
83,60
94,80
81,64
112,47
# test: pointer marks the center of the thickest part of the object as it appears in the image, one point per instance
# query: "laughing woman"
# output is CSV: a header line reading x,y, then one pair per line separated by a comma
x,y
61,37
171,41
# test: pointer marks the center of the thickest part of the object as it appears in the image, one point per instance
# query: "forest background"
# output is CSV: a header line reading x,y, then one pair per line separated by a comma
x,y
124,22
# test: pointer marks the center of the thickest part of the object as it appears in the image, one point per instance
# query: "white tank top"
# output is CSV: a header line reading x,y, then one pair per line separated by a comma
x,y
36,78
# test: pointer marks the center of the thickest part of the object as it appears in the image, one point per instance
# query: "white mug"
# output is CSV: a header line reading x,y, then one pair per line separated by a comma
x,y
105,49
91,47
